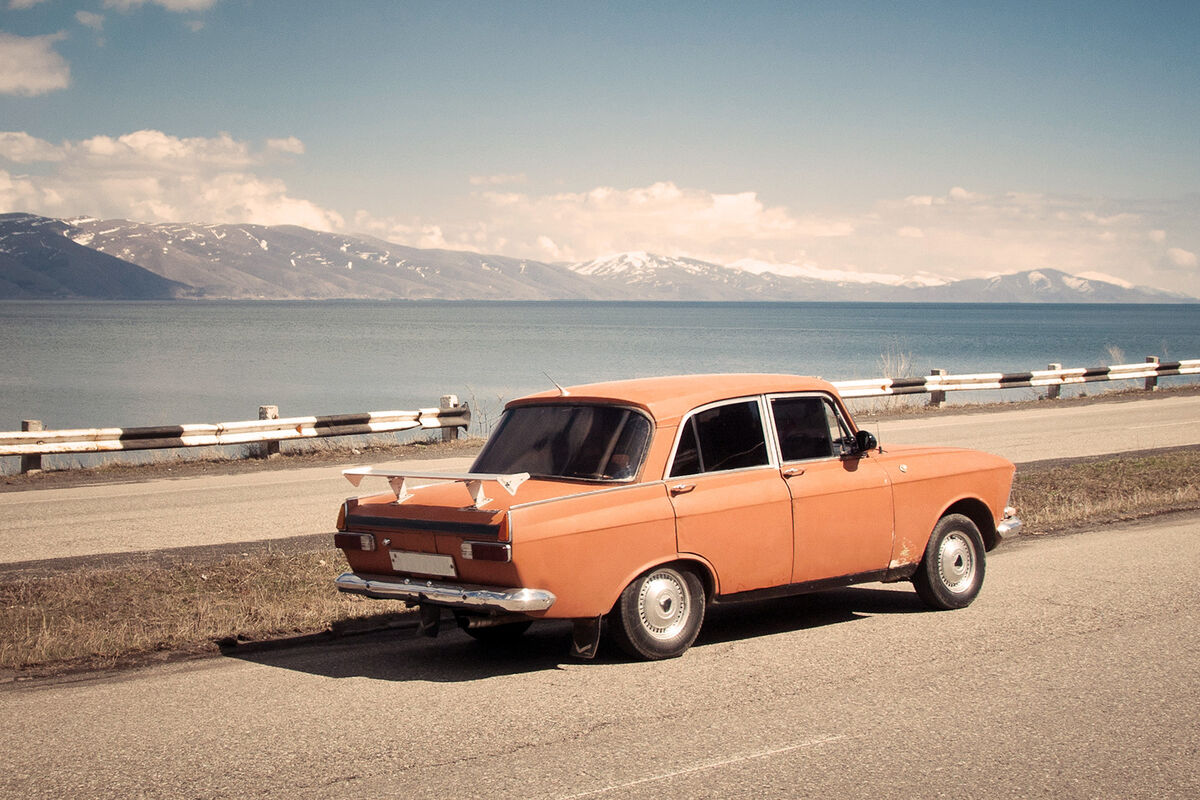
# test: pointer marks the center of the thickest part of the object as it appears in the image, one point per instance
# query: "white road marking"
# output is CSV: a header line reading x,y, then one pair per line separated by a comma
x,y
709,765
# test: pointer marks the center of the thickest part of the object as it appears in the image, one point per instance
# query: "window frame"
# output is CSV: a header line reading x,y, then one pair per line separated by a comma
x,y
846,430
766,425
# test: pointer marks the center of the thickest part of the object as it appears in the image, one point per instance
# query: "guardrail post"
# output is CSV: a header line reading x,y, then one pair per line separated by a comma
x,y
936,397
266,449
449,401
1055,389
31,463
1152,381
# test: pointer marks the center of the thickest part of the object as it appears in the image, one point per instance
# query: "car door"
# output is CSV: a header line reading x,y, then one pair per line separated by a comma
x,y
841,501
731,506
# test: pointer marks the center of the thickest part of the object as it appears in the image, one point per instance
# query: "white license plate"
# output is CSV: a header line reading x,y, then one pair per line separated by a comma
x,y
423,563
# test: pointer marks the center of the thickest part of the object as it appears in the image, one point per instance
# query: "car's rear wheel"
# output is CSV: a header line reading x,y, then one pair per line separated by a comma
x,y
951,573
659,614
495,634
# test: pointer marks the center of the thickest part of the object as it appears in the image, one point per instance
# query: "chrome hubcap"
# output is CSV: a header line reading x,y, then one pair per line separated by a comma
x,y
663,604
956,562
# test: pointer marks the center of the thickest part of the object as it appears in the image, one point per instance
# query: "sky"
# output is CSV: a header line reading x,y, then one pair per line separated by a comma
x,y
949,139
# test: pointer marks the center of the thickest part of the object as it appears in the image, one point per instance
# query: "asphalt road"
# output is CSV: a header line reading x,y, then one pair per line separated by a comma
x,y
1074,675
132,517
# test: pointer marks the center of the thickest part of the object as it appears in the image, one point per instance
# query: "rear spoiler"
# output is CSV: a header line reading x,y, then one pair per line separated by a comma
x,y
473,480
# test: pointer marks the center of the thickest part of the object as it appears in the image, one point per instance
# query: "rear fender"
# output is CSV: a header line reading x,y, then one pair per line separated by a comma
x,y
695,563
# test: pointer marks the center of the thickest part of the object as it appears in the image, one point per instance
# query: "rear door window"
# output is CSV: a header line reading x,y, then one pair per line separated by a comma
x,y
724,437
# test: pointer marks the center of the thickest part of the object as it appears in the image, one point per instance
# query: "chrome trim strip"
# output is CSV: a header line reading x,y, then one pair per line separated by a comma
x,y
452,595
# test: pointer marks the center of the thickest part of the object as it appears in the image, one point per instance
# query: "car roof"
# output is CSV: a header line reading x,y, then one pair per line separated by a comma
x,y
667,399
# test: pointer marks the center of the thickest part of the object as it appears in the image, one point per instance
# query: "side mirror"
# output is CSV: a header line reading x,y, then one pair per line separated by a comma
x,y
865,440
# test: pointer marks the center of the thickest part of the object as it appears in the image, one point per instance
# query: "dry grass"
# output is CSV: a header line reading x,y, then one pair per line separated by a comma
x,y
89,617
1055,498
95,617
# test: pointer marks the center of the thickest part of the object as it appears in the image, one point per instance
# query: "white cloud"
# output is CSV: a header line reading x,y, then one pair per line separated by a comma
x,y
289,145
962,195
22,4
21,148
17,192
30,66
162,150
181,6
150,176
662,217
497,180
919,237
90,20
1182,258
549,247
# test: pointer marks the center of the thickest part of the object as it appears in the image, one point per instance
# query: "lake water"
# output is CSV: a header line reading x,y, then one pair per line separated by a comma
x,y
86,364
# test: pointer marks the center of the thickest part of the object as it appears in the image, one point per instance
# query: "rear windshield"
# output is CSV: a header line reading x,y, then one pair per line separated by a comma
x,y
602,443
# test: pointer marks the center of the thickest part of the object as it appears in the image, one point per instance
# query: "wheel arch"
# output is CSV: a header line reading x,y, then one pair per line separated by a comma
x,y
693,563
978,512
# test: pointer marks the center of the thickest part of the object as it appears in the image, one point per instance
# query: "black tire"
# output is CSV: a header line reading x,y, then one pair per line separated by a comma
x,y
659,614
951,573
494,635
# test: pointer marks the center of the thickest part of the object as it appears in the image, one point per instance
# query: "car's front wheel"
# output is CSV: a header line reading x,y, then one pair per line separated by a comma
x,y
659,614
951,573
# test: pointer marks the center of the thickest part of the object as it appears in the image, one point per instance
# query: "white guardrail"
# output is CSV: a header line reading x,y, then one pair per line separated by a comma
x,y
1053,378
33,443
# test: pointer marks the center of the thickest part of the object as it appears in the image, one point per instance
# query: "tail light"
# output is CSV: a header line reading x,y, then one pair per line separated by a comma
x,y
354,541
486,551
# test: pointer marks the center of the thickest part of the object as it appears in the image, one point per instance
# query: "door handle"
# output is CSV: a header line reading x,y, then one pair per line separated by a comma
x,y
682,488
792,472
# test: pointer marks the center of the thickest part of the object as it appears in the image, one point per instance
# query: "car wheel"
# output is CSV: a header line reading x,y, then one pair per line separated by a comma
x,y
495,634
951,573
659,614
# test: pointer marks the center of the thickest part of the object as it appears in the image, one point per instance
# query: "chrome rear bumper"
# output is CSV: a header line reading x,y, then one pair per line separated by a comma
x,y
452,595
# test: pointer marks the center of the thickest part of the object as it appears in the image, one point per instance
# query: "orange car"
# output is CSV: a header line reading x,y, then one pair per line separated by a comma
x,y
630,506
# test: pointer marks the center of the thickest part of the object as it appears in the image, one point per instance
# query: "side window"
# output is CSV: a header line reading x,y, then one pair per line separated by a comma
x,y
721,438
804,425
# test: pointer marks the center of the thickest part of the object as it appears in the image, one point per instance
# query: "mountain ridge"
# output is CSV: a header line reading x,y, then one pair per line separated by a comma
x,y
88,258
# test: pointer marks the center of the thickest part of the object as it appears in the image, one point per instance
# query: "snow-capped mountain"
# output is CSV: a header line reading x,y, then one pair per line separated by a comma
x,y
287,262
654,277
1051,286
39,260
115,259
813,272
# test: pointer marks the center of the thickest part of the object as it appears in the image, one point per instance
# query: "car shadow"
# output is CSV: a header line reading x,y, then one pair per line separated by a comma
x,y
405,655
736,621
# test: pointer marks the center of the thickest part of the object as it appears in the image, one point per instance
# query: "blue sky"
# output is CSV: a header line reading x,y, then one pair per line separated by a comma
x,y
947,139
